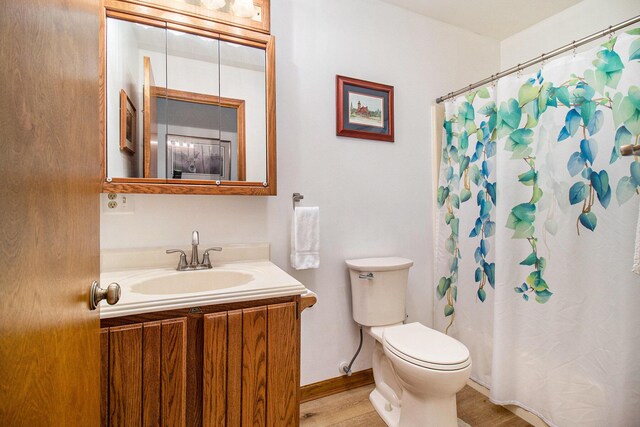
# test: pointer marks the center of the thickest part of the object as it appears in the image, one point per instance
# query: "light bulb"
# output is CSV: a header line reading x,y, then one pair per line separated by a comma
x,y
213,4
243,8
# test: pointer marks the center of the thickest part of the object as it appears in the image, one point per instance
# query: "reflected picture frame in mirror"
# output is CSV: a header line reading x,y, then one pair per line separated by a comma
x,y
198,158
128,124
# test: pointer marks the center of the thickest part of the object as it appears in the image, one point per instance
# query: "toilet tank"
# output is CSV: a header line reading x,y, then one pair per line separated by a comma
x,y
378,289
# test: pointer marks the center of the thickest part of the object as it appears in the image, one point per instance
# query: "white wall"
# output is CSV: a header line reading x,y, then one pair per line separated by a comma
x,y
375,198
576,22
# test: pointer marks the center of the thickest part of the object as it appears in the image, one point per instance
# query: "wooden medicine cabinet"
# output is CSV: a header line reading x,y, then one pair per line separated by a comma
x,y
188,101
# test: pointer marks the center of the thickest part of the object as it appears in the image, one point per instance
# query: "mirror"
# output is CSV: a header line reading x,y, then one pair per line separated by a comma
x,y
185,109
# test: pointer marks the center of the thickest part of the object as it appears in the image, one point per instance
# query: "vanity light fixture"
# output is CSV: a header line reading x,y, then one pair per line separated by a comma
x,y
243,8
213,4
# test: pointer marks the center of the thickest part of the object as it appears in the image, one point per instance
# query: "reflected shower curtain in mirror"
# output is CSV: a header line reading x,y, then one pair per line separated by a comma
x,y
537,213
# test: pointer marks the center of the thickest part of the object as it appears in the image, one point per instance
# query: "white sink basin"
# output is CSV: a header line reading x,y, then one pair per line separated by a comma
x,y
191,281
146,290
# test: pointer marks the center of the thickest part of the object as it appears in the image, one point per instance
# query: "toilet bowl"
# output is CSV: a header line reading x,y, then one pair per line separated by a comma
x,y
417,370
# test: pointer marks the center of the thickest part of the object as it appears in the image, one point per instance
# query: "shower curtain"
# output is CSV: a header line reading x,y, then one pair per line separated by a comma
x,y
537,212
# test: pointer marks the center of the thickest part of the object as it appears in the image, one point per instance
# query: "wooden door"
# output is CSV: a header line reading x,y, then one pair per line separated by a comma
x,y
49,214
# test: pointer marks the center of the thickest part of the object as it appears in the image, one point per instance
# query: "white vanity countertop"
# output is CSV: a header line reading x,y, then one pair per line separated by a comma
x,y
156,288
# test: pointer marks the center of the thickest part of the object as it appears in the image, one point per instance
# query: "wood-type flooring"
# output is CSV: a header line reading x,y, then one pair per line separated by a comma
x,y
353,409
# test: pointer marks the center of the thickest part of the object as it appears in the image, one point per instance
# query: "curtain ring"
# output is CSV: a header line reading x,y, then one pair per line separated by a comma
x,y
574,49
610,32
519,71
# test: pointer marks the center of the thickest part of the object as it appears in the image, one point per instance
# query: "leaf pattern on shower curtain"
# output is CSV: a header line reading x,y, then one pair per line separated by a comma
x,y
587,99
517,118
472,131
467,158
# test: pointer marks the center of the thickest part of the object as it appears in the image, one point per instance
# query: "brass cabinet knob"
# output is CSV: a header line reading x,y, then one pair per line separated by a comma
x,y
97,294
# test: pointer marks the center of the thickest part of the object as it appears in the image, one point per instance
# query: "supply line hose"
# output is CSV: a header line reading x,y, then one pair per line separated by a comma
x,y
347,369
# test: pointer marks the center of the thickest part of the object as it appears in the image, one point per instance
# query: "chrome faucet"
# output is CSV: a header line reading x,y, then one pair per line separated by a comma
x,y
195,263
195,241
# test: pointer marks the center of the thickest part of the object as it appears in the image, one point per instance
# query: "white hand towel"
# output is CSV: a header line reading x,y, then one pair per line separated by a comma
x,y
636,252
305,238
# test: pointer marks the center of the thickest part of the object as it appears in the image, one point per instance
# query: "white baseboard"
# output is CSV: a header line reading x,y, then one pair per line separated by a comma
x,y
520,412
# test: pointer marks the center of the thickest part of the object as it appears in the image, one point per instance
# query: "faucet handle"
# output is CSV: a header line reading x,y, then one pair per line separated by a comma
x,y
182,264
206,261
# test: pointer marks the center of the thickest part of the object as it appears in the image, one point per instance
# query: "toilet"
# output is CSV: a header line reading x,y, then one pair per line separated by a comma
x,y
417,370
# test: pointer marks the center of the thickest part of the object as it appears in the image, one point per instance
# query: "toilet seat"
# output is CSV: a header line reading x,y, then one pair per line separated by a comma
x,y
425,347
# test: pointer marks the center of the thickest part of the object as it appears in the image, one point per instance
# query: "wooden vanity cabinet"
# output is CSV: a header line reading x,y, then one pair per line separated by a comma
x,y
222,365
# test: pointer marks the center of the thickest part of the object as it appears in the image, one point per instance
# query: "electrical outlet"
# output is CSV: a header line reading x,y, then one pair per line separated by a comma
x,y
113,203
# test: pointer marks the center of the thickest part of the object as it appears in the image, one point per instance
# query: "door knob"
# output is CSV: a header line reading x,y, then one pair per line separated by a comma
x,y
111,294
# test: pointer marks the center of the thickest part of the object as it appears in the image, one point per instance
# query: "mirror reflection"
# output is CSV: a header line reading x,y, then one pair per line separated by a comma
x,y
183,107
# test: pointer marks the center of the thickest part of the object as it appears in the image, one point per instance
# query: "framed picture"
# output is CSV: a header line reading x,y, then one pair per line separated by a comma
x,y
364,109
128,124
190,157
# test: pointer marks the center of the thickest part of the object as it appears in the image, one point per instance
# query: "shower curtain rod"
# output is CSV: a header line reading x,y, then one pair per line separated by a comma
x,y
541,58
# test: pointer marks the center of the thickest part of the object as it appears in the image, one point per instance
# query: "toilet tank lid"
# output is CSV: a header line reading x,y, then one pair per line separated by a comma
x,y
379,264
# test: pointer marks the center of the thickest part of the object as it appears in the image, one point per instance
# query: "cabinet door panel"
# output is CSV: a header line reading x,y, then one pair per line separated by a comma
x,y
174,372
151,374
125,381
282,365
234,368
214,371
254,366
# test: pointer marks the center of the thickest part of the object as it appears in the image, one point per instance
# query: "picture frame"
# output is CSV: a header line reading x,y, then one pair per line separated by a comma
x,y
364,109
128,124
196,158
